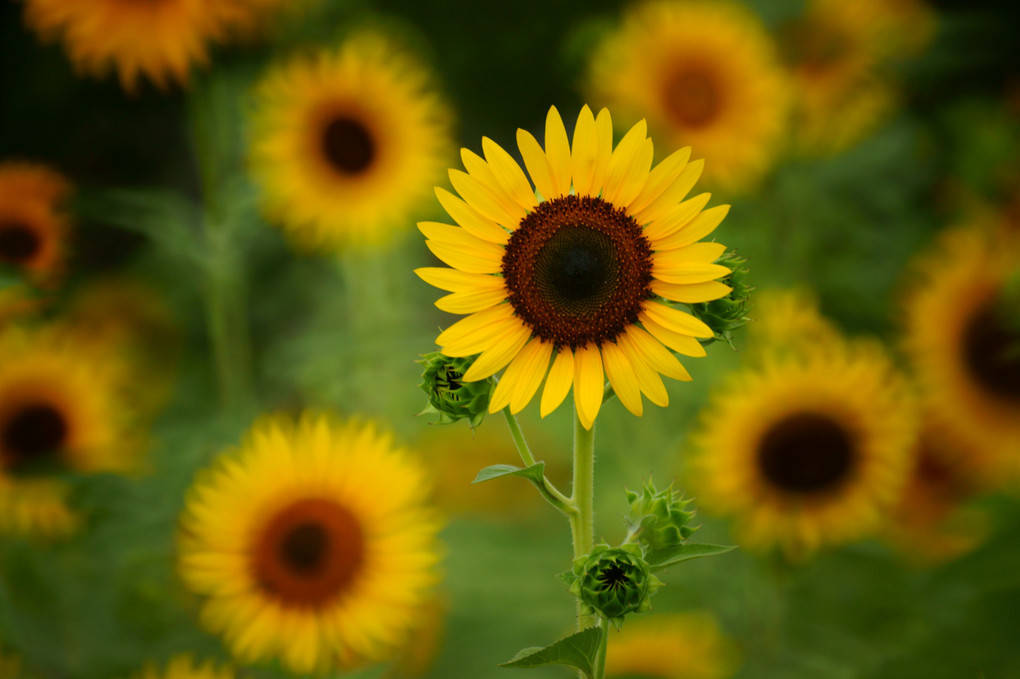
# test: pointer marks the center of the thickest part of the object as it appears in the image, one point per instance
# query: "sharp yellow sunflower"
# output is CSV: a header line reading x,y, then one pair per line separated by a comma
x,y
346,143
157,39
33,225
184,667
807,450
59,411
679,646
962,335
707,75
584,277
311,543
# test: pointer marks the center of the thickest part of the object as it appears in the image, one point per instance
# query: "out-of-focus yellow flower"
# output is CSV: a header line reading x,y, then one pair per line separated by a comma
x,y
312,543
787,321
33,225
347,143
962,335
184,667
807,451
706,74
678,646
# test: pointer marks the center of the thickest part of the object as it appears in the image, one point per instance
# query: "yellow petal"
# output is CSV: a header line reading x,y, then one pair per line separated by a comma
x,y
636,176
677,321
685,273
509,174
498,355
458,258
648,380
460,238
661,178
471,301
480,339
703,253
557,383
480,170
528,369
621,377
666,202
537,163
589,384
657,356
681,215
695,230
557,150
623,158
584,153
470,220
467,328
458,281
498,208
604,140
681,344
694,293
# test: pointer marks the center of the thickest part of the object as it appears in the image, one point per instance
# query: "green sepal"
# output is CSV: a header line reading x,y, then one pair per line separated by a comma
x,y
726,314
670,556
577,651
449,396
535,473
612,581
658,519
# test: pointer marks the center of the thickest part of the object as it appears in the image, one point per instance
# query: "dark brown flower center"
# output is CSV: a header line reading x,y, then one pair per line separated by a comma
x,y
577,271
309,553
806,453
991,351
348,145
32,437
18,243
692,97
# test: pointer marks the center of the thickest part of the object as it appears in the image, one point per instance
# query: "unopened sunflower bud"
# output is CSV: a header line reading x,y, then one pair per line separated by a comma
x,y
658,519
613,581
449,395
726,314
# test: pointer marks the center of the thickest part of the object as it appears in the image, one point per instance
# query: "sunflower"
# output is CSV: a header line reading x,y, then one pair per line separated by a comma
x,y
962,336
33,225
807,450
584,277
706,74
346,143
157,39
312,544
184,667
59,412
836,52
679,646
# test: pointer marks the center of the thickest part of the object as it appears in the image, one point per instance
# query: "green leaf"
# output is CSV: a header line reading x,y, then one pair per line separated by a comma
x,y
669,556
535,473
577,650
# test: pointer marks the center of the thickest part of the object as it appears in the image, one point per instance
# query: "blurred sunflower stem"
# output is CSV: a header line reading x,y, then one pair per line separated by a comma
x,y
214,123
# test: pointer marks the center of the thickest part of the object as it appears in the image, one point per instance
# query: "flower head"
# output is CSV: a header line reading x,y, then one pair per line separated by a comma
x,y
33,224
613,581
658,519
449,395
581,279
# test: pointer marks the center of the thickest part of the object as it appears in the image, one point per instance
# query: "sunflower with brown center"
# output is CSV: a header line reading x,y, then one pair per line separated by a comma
x,y
347,142
582,277
807,450
33,224
312,543
60,412
706,74
962,336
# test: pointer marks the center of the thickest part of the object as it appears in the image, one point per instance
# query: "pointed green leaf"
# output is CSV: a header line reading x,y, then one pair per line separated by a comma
x,y
578,650
664,558
535,473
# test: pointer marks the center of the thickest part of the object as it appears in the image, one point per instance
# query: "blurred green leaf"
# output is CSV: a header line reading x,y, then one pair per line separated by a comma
x,y
535,473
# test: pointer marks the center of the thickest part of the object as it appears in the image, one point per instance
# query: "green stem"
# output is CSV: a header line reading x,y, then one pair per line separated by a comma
x,y
227,322
549,491
600,658
582,523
